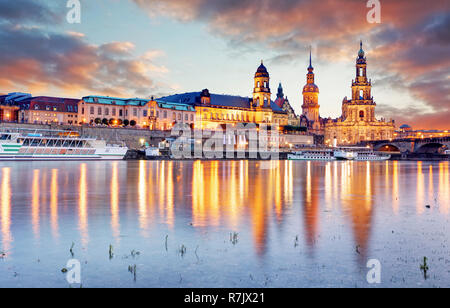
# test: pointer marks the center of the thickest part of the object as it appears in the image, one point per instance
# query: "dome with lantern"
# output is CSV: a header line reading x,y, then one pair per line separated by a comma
x,y
262,71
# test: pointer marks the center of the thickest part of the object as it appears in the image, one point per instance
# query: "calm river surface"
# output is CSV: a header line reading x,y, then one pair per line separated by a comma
x,y
298,224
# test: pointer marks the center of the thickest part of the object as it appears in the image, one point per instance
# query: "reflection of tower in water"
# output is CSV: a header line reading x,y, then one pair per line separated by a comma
x,y
311,203
359,204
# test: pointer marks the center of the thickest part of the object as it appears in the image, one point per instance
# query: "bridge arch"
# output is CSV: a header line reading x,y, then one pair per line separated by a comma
x,y
387,147
432,147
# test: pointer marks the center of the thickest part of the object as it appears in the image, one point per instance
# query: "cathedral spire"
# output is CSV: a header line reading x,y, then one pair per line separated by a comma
x,y
310,59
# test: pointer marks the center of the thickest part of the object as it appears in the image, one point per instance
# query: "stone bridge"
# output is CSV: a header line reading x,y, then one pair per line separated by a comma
x,y
411,145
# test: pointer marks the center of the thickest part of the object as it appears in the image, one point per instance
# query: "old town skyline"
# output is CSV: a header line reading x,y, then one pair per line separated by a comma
x,y
158,66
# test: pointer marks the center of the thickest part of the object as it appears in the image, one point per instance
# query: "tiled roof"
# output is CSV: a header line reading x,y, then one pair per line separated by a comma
x,y
53,104
218,100
106,100
175,106
13,98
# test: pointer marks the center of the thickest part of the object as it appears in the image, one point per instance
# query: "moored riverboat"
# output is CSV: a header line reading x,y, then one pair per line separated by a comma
x,y
25,144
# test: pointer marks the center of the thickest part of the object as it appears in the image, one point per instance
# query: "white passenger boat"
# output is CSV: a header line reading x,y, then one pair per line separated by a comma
x,y
25,144
317,154
345,155
359,154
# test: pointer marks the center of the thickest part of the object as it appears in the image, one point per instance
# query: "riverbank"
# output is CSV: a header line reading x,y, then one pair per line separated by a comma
x,y
131,137
420,157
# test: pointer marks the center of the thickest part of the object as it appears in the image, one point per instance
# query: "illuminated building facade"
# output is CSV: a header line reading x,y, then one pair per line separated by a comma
x,y
358,122
48,110
214,110
164,115
9,111
114,110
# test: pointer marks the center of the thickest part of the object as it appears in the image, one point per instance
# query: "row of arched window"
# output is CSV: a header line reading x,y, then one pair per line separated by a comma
x,y
266,84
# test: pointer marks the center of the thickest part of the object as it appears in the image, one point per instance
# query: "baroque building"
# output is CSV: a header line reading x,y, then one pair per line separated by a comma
x,y
283,102
358,122
215,110
310,116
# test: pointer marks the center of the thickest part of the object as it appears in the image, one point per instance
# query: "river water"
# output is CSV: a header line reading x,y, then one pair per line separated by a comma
x,y
224,224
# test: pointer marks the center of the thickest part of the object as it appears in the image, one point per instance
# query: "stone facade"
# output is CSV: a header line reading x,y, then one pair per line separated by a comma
x,y
283,103
113,110
163,116
214,110
358,122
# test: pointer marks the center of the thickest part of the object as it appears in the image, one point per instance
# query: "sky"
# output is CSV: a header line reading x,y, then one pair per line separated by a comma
x,y
145,48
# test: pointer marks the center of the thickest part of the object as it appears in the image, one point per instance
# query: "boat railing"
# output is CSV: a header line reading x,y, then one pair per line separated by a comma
x,y
45,133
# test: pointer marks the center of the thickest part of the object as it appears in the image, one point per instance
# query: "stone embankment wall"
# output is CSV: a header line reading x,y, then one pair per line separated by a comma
x,y
131,137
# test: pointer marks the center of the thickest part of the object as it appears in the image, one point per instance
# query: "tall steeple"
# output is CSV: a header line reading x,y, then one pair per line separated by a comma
x,y
311,96
362,106
310,76
361,85
310,60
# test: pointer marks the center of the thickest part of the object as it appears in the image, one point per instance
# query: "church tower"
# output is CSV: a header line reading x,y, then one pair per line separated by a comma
x,y
361,107
261,92
280,93
311,96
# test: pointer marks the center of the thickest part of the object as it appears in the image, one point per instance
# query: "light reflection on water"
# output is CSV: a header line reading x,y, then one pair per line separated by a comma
x,y
6,208
343,214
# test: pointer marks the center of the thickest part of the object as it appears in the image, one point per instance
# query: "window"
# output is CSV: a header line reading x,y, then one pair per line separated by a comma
x,y
82,110
99,110
186,117
106,111
179,117
192,117
135,112
165,114
47,108
36,107
92,110
114,111
120,113
361,114
144,113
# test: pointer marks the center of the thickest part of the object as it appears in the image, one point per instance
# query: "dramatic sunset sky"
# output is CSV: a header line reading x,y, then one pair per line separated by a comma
x,y
143,48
